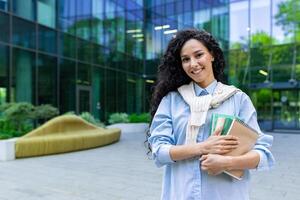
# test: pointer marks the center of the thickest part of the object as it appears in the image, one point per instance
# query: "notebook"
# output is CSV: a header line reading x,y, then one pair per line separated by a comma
x,y
247,136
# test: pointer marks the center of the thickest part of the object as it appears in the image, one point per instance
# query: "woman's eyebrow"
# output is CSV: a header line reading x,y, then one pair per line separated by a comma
x,y
198,51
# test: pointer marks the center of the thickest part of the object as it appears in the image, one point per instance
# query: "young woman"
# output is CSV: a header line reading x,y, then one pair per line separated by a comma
x,y
187,92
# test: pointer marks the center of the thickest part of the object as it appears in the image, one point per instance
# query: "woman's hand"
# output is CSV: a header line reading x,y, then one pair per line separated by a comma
x,y
219,144
213,145
215,164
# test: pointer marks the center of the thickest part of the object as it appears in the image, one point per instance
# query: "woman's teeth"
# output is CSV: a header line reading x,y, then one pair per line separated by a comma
x,y
196,71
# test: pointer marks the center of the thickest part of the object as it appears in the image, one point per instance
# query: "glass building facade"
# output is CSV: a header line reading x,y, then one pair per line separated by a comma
x,y
101,56
264,58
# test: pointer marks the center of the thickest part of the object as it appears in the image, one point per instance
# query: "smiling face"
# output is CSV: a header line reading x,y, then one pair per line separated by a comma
x,y
197,61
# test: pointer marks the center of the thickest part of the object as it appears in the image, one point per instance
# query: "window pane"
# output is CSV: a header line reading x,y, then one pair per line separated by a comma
x,y
4,24
46,12
111,92
47,80
282,61
47,39
131,93
4,64
23,76
220,25
98,55
202,19
25,9
110,23
122,93
97,22
121,31
84,50
239,25
67,45
67,86
286,21
24,33
84,74
67,15
98,92
260,17
238,62
4,5
259,64
83,15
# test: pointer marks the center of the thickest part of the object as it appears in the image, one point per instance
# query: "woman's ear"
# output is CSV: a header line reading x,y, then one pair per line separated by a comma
x,y
212,56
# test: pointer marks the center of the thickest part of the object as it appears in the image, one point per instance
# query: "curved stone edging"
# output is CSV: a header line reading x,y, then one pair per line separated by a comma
x,y
7,149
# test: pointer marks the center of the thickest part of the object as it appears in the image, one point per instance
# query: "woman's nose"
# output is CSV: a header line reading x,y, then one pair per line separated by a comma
x,y
194,62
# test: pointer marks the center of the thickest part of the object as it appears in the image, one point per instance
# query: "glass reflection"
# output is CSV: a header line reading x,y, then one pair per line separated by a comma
x,y
4,5
84,74
66,15
25,9
46,12
98,91
83,18
67,45
47,39
47,80
4,66
239,26
23,76
24,33
67,85
4,24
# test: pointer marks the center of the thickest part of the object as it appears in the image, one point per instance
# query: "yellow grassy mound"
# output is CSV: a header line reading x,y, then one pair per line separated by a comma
x,y
64,134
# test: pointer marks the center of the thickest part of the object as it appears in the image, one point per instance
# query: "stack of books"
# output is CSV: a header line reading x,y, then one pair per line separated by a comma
x,y
231,125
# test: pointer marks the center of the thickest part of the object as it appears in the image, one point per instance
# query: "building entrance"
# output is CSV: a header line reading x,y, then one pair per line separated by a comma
x,y
286,109
83,95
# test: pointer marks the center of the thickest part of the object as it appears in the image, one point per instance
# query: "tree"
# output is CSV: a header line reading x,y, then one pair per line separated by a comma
x,y
261,38
288,17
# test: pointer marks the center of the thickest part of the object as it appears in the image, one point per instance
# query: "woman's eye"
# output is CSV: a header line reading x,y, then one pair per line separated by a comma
x,y
185,60
198,55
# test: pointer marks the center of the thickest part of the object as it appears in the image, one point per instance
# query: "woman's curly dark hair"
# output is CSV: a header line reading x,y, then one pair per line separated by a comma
x,y
171,75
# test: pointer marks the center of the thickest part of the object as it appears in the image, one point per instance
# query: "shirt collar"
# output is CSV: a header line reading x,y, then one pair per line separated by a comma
x,y
210,88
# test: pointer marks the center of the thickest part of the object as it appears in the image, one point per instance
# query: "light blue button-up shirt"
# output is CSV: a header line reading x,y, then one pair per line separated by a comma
x,y
184,179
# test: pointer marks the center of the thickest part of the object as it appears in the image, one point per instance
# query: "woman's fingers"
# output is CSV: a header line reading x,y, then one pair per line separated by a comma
x,y
229,137
230,142
203,157
222,149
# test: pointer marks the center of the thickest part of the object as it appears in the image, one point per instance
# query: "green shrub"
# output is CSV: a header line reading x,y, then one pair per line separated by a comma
x,y
6,125
88,117
118,118
17,118
135,118
69,113
45,112
4,136
5,106
8,129
91,119
18,114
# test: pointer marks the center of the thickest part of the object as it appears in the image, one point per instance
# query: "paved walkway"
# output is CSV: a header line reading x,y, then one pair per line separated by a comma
x,y
122,171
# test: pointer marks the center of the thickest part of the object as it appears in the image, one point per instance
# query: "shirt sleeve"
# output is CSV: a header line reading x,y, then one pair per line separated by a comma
x,y
161,130
264,143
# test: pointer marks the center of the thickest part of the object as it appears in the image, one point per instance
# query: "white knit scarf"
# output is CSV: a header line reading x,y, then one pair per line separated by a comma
x,y
200,105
